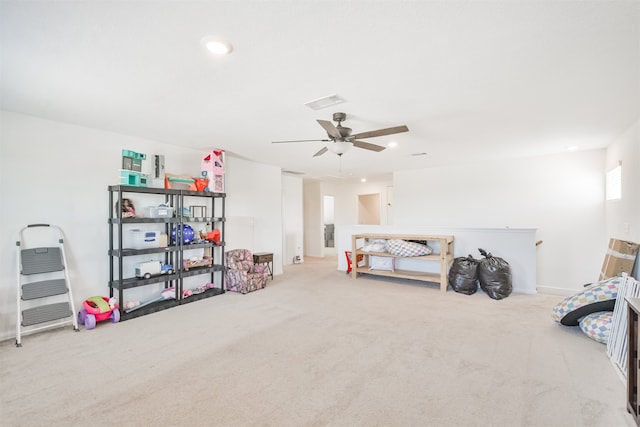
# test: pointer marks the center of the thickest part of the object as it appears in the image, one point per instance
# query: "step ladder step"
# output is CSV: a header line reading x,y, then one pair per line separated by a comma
x,y
44,288
41,260
45,313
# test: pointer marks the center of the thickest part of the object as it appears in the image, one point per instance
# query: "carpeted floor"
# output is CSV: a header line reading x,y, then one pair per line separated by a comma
x,y
316,348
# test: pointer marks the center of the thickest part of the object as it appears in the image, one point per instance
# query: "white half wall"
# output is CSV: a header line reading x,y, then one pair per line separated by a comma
x,y
518,243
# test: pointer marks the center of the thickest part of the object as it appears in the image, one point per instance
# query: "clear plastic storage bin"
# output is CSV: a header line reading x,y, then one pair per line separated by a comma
x,y
158,212
143,239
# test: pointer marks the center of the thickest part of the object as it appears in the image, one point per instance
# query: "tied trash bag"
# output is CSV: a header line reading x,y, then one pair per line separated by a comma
x,y
463,275
495,276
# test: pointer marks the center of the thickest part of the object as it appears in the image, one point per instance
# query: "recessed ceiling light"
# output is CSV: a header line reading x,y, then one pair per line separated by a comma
x,y
392,144
572,148
363,179
217,45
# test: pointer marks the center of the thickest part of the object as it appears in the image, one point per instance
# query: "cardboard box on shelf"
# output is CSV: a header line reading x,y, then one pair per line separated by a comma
x,y
620,258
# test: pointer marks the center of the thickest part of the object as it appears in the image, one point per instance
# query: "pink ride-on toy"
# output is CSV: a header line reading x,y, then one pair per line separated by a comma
x,y
97,309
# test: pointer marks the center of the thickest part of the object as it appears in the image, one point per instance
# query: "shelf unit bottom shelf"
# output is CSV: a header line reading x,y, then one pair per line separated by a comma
x,y
405,274
163,305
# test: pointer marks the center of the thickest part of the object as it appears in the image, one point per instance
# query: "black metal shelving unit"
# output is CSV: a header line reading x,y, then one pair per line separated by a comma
x,y
174,254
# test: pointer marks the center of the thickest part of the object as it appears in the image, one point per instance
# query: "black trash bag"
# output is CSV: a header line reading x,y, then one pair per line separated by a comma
x,y
463,275
495,276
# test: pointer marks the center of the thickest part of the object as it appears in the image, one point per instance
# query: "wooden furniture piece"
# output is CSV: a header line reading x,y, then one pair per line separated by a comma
x,y
264,258
443,254
178,288
633,368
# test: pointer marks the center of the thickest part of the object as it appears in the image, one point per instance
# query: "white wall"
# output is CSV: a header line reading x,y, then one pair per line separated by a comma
x,y
328,207
346,200
292,218
345,212
313,224
626,149
58,173
254,191
562,196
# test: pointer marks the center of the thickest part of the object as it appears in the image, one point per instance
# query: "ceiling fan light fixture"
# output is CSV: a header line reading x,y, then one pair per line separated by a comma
x,y
217,45
339,147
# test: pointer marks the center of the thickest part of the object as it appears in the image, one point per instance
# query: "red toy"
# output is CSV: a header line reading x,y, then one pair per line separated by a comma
x,y
97,309
359,258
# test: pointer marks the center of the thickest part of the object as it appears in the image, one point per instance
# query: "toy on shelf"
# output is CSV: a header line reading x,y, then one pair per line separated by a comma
x,y
179,182
128,210
131,172
185,234
96,309
168,293
152,268
212,167
197,262
214,236
130,305
202,184
211,236
200,289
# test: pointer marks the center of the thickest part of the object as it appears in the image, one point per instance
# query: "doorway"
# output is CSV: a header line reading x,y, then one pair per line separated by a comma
x,y
369,209
329,225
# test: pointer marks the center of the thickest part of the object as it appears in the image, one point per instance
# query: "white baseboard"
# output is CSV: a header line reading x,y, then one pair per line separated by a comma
x,y
556,291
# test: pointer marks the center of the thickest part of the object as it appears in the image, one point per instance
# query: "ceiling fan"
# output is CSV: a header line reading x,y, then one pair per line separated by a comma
x,y
342,139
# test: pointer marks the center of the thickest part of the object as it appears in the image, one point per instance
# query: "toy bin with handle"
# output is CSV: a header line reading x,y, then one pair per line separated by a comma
x,y
96,309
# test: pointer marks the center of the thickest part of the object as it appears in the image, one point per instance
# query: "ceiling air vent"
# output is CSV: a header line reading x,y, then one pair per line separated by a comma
x,y
292,172
325,102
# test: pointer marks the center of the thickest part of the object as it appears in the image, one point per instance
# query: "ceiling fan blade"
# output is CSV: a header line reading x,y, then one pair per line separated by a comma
x,y
368,146
301,140
330,128
382,132
321,152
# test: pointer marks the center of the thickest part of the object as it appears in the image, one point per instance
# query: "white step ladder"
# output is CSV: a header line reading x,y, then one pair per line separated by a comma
x,y
44,293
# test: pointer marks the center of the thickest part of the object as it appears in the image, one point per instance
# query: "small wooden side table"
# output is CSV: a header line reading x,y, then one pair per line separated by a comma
x,y
264,258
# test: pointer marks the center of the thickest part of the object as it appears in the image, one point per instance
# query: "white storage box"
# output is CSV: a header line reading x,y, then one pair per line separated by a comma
x,y
158,211
143,239
381,263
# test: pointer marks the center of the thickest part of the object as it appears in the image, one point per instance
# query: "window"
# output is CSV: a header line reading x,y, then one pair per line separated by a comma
x,y
614,183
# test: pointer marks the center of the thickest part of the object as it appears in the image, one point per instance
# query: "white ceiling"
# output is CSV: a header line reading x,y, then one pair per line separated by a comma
x,y
472,80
